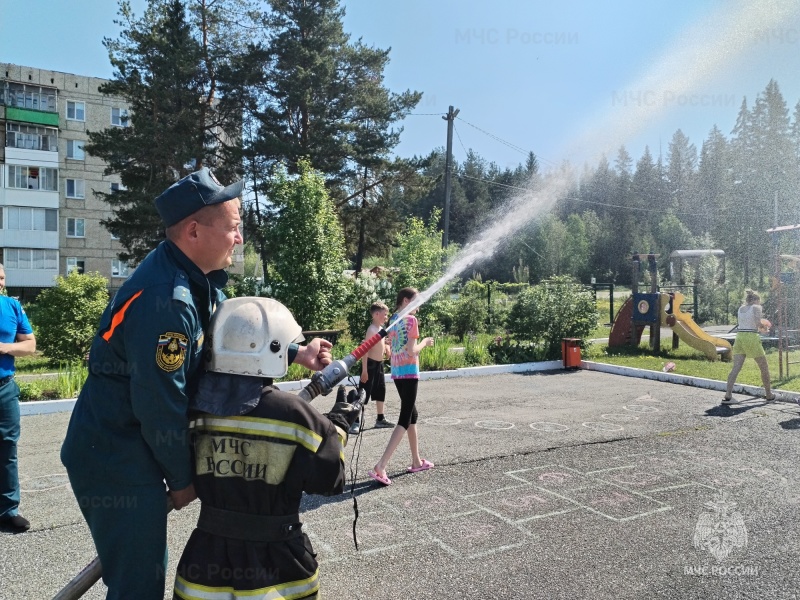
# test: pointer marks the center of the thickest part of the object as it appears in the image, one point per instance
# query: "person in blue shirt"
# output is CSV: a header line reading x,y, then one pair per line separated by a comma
x,y
16,339
128,434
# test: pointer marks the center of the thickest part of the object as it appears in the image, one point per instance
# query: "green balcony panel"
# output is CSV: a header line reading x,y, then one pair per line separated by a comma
x,y
27,115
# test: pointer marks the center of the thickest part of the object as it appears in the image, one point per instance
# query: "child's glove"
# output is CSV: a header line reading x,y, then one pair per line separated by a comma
x,y
344,414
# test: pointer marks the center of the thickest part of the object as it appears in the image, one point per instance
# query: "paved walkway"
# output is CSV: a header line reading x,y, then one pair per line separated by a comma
x,y
551,485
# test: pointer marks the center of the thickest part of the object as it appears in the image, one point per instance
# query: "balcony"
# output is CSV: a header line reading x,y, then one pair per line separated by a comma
x,y
31,137
32,145
30,103
31,267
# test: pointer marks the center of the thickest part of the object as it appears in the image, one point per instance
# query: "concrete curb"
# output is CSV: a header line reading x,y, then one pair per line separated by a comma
x,y
45,407
699,382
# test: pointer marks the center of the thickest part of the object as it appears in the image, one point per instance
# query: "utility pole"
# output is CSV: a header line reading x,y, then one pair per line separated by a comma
x,y
450,117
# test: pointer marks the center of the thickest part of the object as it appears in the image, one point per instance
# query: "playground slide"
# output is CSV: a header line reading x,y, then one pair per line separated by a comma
x,y
690,333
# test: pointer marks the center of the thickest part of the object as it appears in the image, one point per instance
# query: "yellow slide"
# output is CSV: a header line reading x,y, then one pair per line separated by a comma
x,y
690,333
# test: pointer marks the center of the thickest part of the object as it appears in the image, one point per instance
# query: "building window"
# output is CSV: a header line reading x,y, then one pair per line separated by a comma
x,y
76,227
119,117
30,258
76,111
75,149
32,178
75,264
119,268
76,188
23,218
31,137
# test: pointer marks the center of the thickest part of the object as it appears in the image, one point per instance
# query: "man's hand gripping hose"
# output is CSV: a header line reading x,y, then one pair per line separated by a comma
x,y
322,382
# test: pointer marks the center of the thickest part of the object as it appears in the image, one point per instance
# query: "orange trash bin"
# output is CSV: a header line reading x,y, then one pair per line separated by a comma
x,y
571,352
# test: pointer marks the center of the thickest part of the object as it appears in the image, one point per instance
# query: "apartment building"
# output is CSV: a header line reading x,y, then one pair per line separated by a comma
x,y
49,215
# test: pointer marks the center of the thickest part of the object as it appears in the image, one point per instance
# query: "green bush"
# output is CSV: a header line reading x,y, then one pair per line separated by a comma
x,y
553,310
308,250
239,285
476,352
419,261
362,292
470,315
438,318
29,390
511,288
68,314
505,350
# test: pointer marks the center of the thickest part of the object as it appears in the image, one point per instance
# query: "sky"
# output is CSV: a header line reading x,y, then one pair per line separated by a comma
x,y
567,80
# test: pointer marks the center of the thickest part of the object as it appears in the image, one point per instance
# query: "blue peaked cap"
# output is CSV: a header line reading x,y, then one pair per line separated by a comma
x,y
192,193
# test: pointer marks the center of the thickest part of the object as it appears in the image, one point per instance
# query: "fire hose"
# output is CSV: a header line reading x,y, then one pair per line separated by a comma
x,y
322,382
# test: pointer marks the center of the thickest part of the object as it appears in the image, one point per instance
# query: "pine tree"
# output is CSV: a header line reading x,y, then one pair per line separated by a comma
x,y
715,185
157,74
179,120
795,131
741,232
681,165
323,96
774,176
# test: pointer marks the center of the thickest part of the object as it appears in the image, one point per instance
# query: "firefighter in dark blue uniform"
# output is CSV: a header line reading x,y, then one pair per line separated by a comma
x,y
128,436
256,451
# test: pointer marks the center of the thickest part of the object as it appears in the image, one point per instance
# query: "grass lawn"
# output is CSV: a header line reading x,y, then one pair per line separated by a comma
x,y
690,362
36,363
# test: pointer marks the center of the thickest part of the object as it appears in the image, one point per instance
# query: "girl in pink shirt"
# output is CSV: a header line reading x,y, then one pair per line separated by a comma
x,y
402,339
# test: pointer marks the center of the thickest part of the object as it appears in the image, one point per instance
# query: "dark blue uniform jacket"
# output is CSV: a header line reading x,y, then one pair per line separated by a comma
x,y
129,425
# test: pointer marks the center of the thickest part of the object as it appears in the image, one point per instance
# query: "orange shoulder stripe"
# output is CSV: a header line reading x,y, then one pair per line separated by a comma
x,y
119,316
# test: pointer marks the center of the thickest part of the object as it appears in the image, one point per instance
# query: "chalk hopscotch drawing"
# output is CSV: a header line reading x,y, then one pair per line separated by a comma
x,y
720,531
494,425
513,508
548,427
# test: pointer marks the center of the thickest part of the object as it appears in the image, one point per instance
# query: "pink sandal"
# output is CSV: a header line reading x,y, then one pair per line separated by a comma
x,y
382,479
426,464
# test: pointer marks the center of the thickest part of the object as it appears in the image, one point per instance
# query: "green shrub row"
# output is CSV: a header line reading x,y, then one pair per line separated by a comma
x,y
66,383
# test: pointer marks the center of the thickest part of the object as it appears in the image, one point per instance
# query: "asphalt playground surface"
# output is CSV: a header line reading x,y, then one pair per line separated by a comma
x,y
551,485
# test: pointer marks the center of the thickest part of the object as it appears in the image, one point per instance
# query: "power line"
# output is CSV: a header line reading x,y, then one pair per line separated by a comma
x,y
458,135
516,187
491,135
507,143
494,137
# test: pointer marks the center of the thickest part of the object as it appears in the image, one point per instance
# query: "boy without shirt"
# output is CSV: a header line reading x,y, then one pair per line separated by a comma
x,y
372,376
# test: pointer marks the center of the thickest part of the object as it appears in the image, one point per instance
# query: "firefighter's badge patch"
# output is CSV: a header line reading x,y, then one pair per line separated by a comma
x,y
171,350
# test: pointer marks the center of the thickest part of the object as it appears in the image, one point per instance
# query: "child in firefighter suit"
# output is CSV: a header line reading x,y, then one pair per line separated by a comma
x,y
256,450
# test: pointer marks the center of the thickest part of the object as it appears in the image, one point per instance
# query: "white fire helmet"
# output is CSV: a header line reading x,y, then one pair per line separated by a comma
x,y
251,336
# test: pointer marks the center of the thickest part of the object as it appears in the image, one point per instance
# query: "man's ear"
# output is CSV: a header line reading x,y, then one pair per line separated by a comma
x,y
191,232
